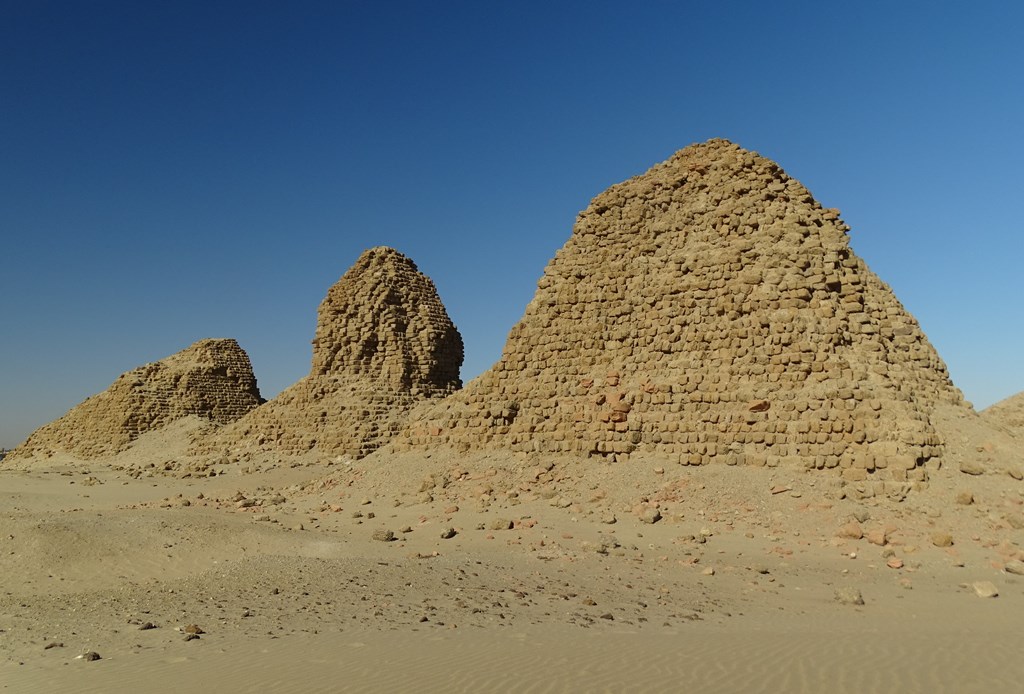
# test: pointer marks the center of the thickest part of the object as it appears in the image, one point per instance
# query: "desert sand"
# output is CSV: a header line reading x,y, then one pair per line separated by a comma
x,y
717,455
749,581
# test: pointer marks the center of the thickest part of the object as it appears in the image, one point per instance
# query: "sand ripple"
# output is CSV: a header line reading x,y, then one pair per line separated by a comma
x,y
550,660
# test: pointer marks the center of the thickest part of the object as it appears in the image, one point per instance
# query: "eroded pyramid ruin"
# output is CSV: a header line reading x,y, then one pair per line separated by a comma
x,y
709,310
1007,414
384,343
212,380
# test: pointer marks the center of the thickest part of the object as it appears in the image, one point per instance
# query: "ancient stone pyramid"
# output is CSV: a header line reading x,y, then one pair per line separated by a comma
x,y
708,310
383,344
212,379
1007,414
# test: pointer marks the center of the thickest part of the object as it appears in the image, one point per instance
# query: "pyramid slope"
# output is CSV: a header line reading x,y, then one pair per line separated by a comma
x,y
1007,414
709,310
384,343
212,379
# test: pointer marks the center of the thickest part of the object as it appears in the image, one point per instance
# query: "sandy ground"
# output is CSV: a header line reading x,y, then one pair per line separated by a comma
x,y
318,575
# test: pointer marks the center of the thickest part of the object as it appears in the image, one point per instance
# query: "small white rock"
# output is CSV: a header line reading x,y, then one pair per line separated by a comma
x,y
985,589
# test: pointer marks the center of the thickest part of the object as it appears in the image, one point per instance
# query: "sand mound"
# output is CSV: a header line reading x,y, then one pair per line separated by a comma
x,y
709,310
1007,414
211,380
383,344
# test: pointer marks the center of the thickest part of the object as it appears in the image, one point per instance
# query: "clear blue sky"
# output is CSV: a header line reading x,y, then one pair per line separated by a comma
x,y
180,170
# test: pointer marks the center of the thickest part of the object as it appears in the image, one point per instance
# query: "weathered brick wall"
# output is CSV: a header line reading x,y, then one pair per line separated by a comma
x,y
708,310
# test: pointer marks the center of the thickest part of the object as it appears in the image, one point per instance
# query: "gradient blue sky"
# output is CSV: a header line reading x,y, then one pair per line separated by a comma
x,y
180,170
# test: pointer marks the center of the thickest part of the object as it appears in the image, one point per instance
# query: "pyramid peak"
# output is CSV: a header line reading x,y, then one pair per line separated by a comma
x,y
384,252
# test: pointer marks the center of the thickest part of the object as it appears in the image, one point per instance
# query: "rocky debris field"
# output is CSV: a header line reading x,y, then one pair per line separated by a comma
x,y
120,562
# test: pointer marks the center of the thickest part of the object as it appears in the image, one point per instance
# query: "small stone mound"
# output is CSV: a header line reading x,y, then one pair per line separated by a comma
x,y
710,310
212,380
384,343
1007,414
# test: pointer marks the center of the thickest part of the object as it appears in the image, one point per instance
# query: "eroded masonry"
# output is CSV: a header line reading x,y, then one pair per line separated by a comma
x,y
212,380
710,310
383,344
